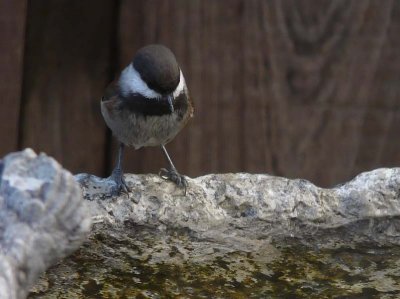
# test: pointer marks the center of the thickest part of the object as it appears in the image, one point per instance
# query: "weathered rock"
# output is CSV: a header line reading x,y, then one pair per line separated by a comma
x,y
234,219
236,236
257,206
42,219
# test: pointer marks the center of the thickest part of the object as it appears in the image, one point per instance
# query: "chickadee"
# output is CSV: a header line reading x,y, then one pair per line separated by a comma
x,y
147,106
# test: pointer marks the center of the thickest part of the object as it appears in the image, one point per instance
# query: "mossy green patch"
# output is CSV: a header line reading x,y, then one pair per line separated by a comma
x,y
158,265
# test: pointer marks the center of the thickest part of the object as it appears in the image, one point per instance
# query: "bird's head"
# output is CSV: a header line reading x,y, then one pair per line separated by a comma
x,y
153,73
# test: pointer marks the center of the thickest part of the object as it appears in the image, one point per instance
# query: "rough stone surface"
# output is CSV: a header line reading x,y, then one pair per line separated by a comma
x,y
257,206
236,236
227,225
42,219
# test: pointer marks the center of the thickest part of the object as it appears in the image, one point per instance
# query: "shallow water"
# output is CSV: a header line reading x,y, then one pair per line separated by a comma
x,y
149,264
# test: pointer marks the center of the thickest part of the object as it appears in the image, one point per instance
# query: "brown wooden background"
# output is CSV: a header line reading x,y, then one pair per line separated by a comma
x,y
304,88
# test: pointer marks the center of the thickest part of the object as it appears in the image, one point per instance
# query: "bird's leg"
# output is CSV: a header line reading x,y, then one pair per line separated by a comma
x,y
171,173
117,174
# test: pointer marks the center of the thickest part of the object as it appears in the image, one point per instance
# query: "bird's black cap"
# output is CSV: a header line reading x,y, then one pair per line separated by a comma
x,y
157,66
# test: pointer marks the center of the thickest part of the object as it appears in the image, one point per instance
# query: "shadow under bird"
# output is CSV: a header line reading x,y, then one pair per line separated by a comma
x,y
147,106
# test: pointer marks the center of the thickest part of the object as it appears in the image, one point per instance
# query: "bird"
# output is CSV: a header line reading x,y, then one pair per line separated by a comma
x,y
148,105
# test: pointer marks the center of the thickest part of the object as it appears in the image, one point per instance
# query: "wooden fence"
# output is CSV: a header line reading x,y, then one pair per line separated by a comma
x,y
297,88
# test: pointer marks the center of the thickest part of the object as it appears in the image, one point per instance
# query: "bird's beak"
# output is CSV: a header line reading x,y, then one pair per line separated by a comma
x,y
170,102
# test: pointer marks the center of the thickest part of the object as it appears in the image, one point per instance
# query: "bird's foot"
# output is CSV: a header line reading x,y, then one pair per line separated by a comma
x,y
174,176
120,184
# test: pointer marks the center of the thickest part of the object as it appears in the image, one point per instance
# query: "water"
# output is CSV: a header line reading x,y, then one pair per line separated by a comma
x,y
144,263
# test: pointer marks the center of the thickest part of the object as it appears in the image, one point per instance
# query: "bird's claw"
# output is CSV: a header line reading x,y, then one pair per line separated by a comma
x,y
173,176
120,184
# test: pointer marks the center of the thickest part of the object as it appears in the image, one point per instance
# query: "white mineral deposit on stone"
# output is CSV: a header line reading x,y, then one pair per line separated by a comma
x,y
24,183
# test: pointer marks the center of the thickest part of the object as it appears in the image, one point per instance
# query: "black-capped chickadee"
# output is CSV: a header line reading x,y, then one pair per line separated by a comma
x,y
147,106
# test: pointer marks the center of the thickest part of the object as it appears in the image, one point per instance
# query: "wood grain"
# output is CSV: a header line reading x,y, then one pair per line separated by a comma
x,y
297,88
66,68
284,87
324,72
12,34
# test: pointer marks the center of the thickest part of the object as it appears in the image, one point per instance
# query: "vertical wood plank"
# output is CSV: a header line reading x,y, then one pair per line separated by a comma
x,y
323,62
379,145
229,86
12,34
66,69
256,81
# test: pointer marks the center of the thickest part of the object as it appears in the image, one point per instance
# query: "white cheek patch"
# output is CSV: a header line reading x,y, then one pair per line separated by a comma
x,y
181,86
130,82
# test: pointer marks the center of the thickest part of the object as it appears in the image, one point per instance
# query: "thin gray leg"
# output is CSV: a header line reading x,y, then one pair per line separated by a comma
x,y
171,165
171,173
117,174
120,155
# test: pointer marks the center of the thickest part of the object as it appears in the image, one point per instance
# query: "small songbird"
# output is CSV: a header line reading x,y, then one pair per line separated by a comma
x,y
147,106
